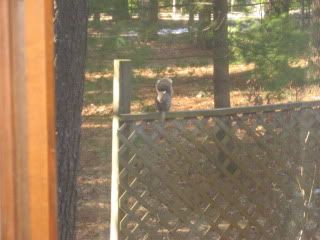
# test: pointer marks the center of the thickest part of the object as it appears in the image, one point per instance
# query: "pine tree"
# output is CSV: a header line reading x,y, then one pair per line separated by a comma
x,y
70,52
221,78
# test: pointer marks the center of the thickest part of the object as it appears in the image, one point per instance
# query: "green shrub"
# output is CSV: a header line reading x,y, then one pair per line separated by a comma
x,y
274,46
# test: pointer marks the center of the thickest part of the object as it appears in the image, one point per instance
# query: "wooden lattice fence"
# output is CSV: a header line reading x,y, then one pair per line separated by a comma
x,y
239,173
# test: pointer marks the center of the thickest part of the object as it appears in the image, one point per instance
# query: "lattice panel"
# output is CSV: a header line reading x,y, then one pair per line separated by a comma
x,y
243,176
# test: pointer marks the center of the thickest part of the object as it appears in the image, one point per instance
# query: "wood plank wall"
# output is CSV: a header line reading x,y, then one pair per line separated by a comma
x,y
27,126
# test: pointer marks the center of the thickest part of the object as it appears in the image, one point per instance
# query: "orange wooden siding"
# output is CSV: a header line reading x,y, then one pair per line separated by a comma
x,y
27,126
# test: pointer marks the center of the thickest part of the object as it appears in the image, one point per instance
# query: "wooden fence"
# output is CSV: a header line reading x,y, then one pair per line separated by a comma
x,y
236,173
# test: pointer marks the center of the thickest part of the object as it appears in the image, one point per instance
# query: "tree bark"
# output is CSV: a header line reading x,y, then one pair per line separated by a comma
x,y
278,7
154,11
191,8
149,10
221,79
96,17
315,41
70,51
121,10
302,12
191,12
204,26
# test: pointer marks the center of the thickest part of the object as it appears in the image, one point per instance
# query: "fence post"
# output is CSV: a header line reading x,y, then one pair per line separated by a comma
x,y
121,104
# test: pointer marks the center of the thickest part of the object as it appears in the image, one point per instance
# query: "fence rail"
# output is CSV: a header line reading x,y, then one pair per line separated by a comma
x,y
220,111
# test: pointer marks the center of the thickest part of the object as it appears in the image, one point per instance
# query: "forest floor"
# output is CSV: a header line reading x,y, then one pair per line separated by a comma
x,y
192,90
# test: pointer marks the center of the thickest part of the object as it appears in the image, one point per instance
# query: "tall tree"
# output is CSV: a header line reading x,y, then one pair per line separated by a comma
x,y
70,50
149,10
191,12
148,15
221,78
154,8
315,41
204,26
277,7
121,10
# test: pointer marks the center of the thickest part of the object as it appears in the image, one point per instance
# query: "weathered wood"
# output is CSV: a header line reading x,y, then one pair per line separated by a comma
x,y
159,174
122,86
220,111
121,104
163,221
208,153
265,183
179,157
165,179
195,189
260,206
139,177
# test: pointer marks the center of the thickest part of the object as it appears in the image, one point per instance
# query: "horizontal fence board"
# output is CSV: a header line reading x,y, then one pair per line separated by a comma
x,y
219,111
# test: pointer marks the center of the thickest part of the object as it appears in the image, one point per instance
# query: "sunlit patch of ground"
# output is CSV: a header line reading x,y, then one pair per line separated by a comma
x,y
171,71
198,99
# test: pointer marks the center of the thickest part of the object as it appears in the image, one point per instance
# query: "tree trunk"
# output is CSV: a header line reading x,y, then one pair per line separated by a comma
x,y
191,8
315,41
96,17
302,13
221,79
278,7
204,26
148,15
70,51
121,10
154,11
191,12
149,10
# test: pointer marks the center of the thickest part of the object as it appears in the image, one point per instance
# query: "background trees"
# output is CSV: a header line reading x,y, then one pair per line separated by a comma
x,y
247,38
